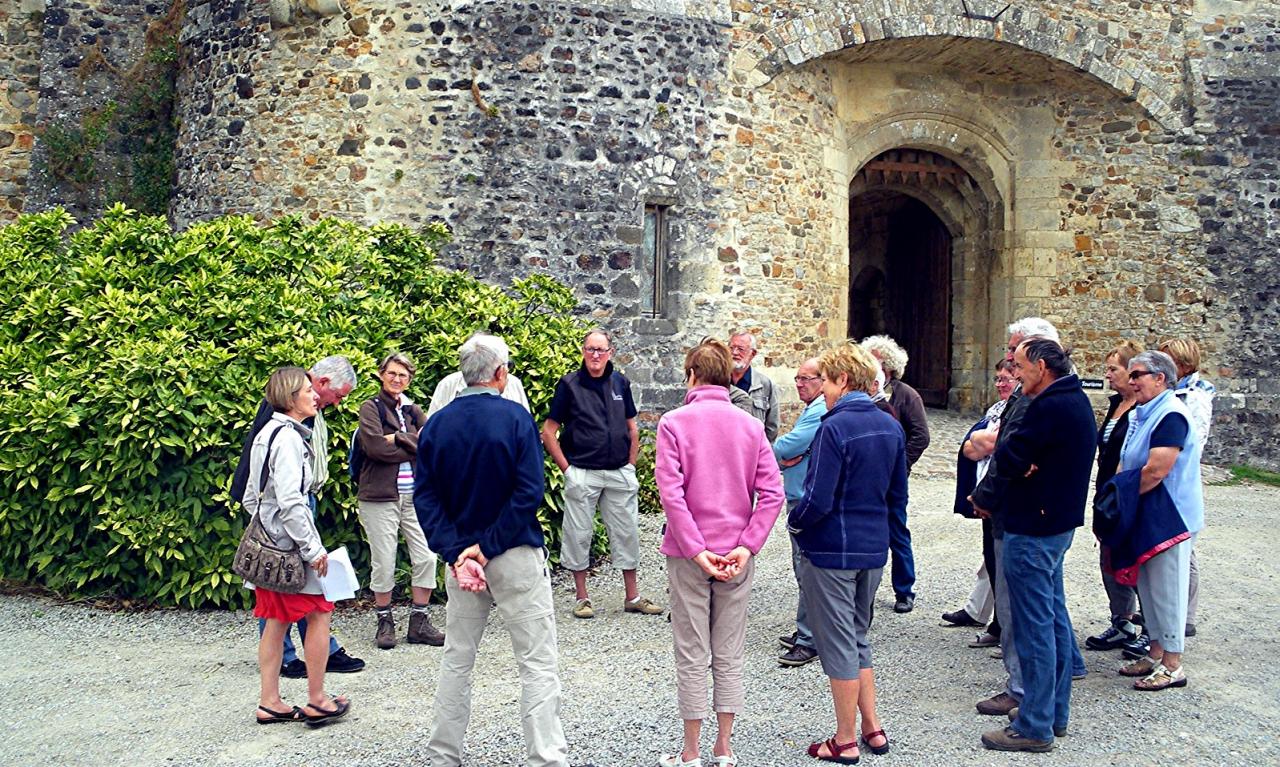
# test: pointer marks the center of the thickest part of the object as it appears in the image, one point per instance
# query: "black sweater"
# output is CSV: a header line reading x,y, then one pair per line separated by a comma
x,y
1057,436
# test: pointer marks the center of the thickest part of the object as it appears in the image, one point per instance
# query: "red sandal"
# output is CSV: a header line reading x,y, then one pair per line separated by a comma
x,y
879,750
836,750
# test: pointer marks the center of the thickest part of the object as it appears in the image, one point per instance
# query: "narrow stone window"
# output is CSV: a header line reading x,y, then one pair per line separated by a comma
x,y
654,262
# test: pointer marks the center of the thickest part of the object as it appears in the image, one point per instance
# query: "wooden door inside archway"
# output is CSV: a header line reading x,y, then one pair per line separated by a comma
x,y
900,256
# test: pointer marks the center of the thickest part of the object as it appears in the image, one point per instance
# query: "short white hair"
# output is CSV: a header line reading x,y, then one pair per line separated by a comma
x,y
751,339
893,358
337,369
1034,327
480,357
1158,362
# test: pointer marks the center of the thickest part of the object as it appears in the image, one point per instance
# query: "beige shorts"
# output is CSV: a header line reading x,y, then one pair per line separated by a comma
x,y
616,492
383,522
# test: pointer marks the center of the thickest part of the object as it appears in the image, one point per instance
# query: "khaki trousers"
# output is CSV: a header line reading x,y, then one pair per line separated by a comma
x,y
616,491
520,586
383,522
708,628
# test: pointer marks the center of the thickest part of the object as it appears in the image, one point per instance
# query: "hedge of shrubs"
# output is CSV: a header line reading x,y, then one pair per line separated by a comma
x,y
134,357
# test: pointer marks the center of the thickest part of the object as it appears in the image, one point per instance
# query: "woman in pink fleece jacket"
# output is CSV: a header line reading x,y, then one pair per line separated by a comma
x,y
722,491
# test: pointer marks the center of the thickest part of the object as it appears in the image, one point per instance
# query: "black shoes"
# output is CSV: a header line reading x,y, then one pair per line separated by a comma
x,y
789,640
1138,647
959,618
798,655
904,604
339,663
1120,633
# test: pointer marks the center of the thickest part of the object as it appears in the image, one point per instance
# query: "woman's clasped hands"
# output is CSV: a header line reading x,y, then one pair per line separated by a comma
x,y
723,568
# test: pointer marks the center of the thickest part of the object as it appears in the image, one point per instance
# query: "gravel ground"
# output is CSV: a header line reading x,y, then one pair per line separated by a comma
x,y
85,686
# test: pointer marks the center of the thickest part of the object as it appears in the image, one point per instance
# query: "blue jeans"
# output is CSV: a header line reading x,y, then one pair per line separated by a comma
x,y
902,572
290,652
1044,636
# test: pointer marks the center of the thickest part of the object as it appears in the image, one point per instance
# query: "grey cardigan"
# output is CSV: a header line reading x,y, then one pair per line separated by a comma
x,y
285,510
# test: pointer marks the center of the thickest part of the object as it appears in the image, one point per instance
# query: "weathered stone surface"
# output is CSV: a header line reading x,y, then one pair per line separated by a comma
x,y
1118,165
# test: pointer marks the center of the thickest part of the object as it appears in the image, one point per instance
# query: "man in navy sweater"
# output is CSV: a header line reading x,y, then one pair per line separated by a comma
x,y
477,490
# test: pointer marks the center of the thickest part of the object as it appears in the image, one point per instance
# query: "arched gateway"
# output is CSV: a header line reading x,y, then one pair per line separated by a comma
x,y
954,146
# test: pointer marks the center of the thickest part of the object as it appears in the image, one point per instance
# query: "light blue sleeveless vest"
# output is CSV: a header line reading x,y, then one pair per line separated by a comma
x,y
1183,482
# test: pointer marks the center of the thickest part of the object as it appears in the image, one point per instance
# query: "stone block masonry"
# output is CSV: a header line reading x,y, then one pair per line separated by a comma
x,y
20,25
1119,160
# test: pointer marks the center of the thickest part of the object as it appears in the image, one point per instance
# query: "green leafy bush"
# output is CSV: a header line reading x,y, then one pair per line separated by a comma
x,y
135,358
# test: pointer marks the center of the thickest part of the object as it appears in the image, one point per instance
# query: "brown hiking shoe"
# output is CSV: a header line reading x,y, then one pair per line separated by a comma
x,y
422,632
1008,739
385,638
997,705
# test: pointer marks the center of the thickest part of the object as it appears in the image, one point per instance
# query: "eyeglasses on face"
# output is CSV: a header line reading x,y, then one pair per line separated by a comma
x,y
1002,380
1136,374
596,351
807,379
394,374
740,348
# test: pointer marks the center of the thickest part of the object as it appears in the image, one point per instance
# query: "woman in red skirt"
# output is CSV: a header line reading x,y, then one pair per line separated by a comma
x,y
285,512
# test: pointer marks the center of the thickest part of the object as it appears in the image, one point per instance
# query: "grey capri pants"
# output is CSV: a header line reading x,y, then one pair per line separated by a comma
x,y
839,604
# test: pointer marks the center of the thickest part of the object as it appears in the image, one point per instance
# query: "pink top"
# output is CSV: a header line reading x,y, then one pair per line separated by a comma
x,y
720,484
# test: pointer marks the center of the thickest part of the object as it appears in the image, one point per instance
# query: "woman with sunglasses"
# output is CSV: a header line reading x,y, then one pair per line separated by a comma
x,y
1162,443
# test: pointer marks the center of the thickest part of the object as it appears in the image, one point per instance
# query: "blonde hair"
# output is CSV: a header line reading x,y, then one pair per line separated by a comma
x,y
1185,353
852,360
1125,351
892,356
711,362
283,388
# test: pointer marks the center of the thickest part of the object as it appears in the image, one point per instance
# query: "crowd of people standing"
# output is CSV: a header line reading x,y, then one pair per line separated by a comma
x,y
464,481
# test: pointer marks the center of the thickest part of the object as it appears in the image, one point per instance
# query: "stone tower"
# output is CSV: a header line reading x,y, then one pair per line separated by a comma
x,y
811,170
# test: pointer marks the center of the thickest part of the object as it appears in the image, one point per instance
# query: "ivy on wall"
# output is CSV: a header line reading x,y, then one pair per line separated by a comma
x,y
136,132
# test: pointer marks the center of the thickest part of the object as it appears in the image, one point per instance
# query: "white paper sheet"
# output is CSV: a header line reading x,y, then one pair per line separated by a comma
x,y
340,582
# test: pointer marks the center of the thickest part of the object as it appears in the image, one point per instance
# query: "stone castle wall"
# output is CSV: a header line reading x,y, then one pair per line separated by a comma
x,y
1122,159
87,50
19,89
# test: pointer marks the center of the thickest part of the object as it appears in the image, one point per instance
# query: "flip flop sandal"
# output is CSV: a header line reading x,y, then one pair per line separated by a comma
x,y
880,750
837,750
1162,678
1140,667
278,717
340,710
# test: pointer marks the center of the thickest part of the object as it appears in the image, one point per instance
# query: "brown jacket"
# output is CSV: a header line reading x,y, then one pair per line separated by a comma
x,y
382,458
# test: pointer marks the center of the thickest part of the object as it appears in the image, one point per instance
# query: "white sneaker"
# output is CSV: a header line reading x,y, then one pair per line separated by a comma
x,y
676,760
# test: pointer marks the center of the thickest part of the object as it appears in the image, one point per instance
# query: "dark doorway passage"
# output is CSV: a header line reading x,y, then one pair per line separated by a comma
x,y
900,284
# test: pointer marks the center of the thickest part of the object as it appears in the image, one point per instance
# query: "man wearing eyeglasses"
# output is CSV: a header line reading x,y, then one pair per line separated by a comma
x,y
764,398
591,434
792,452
